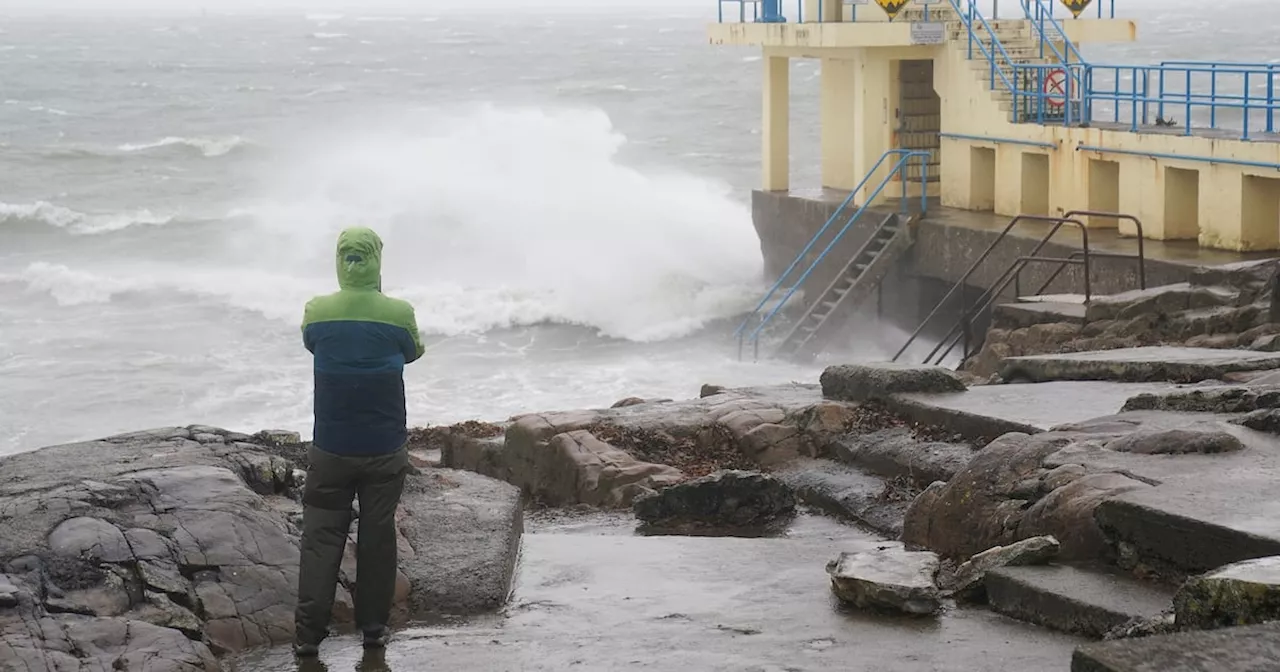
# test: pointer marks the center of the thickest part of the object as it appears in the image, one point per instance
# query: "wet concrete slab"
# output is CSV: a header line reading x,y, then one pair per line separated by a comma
x,y
1207,510
616,602
1249,649
1085,600
991,410
1147,364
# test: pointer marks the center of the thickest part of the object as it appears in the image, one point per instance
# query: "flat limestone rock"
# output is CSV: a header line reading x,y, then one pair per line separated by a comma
x,y
1247,649
1244,593
967,579
889,578
867,382
1176,442
1147,364
723,499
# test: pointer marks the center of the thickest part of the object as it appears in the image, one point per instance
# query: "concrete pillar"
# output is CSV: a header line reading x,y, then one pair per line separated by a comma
x,y
775,128
839,132
874,102
826,11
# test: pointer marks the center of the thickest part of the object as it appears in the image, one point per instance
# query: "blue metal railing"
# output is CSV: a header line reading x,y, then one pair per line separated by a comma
x,y
1069,90
1109,13
899,169
967,16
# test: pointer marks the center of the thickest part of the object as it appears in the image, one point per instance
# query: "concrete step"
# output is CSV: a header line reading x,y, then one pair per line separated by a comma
x,y
1077,299
1088,601
1022,315
847,493
1255,647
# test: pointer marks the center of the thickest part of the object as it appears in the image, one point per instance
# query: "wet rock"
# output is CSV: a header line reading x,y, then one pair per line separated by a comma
x,y
890,578
1127,305
1162,624
583,469
867,382
1144,364
723,499
709,390
966,582
850,494
1176,442
1244,593
897,453
278,437
1268,343
1265,420
1214,399
1003,496
629,401
154,538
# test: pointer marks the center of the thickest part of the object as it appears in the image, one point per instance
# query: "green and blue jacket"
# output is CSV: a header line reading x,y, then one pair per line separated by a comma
x,y
361,340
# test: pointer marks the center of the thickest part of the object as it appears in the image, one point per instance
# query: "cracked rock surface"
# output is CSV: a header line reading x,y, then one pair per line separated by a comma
x,y
160,550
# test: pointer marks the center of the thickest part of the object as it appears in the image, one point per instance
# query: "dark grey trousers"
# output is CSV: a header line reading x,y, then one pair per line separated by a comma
x,y
333,481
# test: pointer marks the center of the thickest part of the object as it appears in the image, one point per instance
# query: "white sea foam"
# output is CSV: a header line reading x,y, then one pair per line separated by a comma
x,y
492,218
49,214
210,147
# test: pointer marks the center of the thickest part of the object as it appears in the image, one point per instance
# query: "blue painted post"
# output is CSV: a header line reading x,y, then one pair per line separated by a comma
x,y
1271,99
1246,104
1213,94
1187,93
904,168
1161,112
772,12
924,183
1146,96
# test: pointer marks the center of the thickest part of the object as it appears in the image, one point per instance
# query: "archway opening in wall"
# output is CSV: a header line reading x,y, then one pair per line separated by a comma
x,y
1260,213
1104,191
919,118
1035,184
982,178
1181,204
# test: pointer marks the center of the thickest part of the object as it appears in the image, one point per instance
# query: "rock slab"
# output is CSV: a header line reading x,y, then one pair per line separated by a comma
x,y
724,499
1246,649
1090,601
877,382
1145,364
169,546
1244,593
966,582
889,578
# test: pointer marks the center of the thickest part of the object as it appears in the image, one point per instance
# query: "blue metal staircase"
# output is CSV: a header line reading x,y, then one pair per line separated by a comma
x,y
1057,85
859,276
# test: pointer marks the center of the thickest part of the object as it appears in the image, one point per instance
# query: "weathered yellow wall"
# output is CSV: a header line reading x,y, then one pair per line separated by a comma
x,y
775,131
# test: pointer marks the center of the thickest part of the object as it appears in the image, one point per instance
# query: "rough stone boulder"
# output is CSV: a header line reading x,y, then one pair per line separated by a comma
x,y
723,499
873,382
888,578
620,453
1244,593
897,453
1176,442
966,581
172,545
1011,491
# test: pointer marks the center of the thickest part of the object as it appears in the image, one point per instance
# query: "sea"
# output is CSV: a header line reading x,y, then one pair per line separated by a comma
x,y
563,194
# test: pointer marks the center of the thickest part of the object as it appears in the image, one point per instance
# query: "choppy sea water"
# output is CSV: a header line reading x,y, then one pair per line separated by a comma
x,y
563,195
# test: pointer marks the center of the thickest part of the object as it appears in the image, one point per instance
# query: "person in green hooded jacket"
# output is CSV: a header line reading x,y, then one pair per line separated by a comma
x,y
361,340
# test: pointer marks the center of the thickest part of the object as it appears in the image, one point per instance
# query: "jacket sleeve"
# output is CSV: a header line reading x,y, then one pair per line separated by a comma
x,y
306,335
413,348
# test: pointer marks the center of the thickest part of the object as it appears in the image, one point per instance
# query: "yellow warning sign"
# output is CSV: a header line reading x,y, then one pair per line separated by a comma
x,y
892,7
1076,6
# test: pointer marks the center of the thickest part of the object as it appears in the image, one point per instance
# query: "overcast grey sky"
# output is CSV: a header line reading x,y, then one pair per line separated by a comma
x,y
417,7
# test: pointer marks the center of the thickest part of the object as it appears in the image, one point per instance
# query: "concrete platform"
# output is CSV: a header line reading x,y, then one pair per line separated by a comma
x,y
1251,649
1018,315
987,411
1186,365
587,602
1081,600
1205,511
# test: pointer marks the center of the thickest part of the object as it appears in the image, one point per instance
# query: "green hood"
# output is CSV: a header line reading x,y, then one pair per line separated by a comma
x,y
359,259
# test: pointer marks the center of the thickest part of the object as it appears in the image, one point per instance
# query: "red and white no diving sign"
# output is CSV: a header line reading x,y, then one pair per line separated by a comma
x,y
1055,88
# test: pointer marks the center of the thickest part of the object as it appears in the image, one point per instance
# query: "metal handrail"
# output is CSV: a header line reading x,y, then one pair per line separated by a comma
x,y
812,241
962,324
1017,285
898,168
995,43
958,286
1142,237
1037,22
960,334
